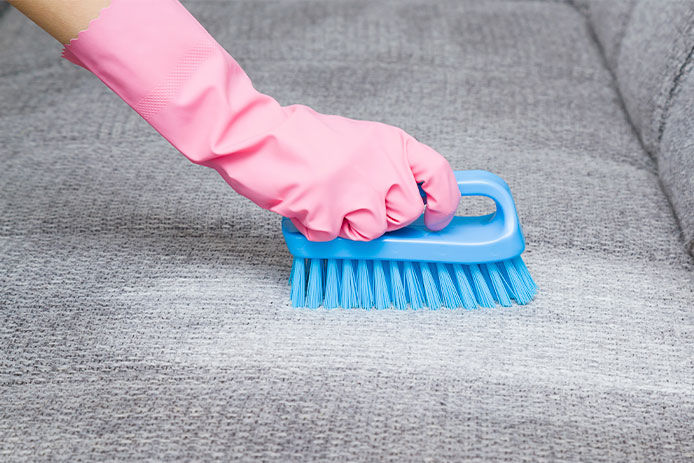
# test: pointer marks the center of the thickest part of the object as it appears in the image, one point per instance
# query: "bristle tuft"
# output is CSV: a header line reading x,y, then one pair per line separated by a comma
x,y
484,295
298,281
498,284
332,289
384,283
449,294
365,291
524,274
467,295
399,297
348,289
520,292
380,286
414,292
314,292
431,293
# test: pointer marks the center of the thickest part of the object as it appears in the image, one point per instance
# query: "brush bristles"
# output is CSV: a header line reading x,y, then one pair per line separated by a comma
x,y
449,293
431,293
382,284
465,290
348,293
413,286
332,289
366,294
482,292
397,289
298,282
501,295
314,293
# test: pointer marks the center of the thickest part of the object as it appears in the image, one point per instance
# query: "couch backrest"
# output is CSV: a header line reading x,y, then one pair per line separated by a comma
x,y
648,44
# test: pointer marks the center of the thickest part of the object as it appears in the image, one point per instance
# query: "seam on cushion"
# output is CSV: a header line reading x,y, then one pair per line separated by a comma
x,y
676,80
637,135
673,90
615,84
684,72
688,244
582,8
149,105
623,33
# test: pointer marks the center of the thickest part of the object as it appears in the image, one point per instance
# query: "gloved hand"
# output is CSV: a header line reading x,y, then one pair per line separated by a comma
x,y
332,176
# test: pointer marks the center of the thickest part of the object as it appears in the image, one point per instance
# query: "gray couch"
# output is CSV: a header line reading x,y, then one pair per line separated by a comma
x,y
144,307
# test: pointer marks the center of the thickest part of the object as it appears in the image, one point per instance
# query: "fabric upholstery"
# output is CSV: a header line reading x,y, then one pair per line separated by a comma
x,y
145,311
648,44
609,20
676,155
655,48
654,64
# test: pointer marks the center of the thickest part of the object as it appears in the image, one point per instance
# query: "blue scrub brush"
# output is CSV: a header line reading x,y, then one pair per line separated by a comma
x,y
475,261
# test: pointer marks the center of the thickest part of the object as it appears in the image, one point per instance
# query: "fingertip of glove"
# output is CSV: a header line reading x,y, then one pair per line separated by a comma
x,y
436,222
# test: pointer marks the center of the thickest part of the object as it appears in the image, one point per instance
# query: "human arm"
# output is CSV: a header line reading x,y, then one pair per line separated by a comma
x,y
62,19
332,176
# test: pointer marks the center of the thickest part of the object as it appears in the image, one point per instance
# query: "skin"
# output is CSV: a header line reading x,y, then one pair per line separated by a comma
x,y
63,19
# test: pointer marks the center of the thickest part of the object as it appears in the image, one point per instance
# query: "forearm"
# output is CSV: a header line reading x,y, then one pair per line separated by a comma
x,y
63,19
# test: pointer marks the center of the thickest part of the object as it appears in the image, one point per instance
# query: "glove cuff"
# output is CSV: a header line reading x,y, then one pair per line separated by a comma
x,y
133,46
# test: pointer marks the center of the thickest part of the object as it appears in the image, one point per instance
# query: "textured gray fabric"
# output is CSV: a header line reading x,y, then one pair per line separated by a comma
x,y
676,155
657,42
609,19
656,49
648,44
145,307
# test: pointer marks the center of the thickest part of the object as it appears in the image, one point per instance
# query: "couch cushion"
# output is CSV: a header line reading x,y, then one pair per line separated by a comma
x,y
658,40
145,309
649,45
676,154
609,20
646,44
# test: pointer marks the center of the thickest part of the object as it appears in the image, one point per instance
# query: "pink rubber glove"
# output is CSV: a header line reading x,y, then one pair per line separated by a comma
x,y
332,176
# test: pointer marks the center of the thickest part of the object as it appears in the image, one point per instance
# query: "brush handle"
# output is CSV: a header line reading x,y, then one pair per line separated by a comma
x,y
467,240
483,183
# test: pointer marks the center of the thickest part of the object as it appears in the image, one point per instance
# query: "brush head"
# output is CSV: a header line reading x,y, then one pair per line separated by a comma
x,y
473,262
382,284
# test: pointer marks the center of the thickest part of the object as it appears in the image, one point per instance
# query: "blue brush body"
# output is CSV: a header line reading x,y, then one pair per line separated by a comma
x,y
474,262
